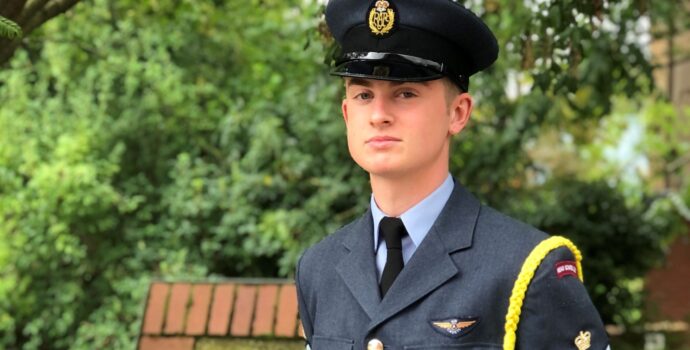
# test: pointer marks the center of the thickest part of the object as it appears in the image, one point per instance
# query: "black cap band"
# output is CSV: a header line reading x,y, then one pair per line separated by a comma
x,y
395,67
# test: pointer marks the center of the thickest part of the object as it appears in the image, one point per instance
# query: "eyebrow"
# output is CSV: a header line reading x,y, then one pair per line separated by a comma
x,y
357,81
367,82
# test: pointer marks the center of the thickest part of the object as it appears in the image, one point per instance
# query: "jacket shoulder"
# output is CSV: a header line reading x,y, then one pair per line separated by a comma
x,y
503,230
328,249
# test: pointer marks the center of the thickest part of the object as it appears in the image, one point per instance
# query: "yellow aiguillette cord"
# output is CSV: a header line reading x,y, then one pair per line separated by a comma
x,y
529,267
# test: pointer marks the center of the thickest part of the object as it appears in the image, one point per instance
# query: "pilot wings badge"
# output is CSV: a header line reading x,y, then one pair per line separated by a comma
x,y
381,17
454,327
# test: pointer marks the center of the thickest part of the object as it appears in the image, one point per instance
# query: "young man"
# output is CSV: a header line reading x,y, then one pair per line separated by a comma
x,y
427,266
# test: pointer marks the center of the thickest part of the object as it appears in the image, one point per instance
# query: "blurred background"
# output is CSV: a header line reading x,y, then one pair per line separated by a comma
x,y
147,140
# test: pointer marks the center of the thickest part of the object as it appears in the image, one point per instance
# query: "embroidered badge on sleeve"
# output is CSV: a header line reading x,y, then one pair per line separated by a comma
x,y
566,268
583,340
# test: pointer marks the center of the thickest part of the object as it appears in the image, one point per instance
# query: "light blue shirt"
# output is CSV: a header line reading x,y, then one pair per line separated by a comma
x,y
417,220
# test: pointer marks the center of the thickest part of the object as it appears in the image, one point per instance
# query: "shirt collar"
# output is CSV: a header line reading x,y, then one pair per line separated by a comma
x,y
418,219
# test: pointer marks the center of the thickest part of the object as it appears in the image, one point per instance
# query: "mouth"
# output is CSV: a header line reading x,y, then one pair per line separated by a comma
x,y
382,141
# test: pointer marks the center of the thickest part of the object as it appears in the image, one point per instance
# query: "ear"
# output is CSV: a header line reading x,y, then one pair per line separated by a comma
x,y
460,110
343,106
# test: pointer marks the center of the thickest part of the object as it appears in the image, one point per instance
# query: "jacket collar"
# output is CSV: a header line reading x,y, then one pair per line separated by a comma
x,y
429,267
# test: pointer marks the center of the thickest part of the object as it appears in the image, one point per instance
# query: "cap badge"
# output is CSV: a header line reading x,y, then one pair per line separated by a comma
x,y
454,327
381,17
582,341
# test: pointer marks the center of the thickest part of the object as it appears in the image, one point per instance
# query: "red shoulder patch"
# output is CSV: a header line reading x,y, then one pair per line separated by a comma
x,y
565,268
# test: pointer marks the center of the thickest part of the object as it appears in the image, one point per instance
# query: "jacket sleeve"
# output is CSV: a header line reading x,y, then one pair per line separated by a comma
x,y
557,311
304,315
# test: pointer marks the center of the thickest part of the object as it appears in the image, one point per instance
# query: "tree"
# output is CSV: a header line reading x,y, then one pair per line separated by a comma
x,y
157,140
22,16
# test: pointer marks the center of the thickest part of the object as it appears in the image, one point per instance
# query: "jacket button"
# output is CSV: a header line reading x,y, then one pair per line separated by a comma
x,y
375,344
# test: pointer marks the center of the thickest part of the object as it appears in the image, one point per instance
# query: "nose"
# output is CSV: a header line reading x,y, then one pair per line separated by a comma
x,y
381,112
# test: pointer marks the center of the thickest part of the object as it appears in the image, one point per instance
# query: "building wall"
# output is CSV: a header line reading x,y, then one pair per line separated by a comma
x,y
668,287
677,79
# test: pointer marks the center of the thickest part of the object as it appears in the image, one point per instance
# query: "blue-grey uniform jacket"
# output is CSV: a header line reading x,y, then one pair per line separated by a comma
x,y
452,294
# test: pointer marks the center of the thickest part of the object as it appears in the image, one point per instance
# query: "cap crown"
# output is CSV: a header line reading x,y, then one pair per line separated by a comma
x,y
440,31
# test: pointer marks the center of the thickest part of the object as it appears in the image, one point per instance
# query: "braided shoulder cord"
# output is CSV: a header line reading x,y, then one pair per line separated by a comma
x,y
529,267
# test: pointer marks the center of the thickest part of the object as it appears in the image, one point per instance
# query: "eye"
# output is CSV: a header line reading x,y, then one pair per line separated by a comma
x,y
365,95
407,94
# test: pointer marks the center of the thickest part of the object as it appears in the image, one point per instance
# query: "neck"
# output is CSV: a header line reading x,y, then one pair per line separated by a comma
x,y
395,195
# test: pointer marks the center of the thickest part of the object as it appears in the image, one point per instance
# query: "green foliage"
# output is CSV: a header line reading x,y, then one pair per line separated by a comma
x,y
564,67
157,139
9,29
188,139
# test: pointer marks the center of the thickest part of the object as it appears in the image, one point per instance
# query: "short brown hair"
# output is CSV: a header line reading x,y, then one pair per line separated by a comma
x,y
452,90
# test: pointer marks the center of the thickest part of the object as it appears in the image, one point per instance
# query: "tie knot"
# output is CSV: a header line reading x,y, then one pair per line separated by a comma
x,y
392,230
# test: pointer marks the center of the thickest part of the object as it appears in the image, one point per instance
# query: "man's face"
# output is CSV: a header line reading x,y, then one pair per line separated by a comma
x,y
397,129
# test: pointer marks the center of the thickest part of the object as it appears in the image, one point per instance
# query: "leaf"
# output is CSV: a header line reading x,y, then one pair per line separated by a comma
x,y
9,29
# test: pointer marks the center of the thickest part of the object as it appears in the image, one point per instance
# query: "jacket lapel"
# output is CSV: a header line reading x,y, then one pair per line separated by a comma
x,y
431,264
358,268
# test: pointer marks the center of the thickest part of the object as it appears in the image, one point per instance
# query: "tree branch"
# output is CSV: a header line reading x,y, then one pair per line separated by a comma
x,y
12,9
29,16
30,10
51,10
7,48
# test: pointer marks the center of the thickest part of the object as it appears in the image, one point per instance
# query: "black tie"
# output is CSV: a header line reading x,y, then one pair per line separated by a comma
x,y
392,230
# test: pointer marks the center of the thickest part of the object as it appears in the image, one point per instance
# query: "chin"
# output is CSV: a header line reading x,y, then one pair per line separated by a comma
x,y
378,165
383,170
